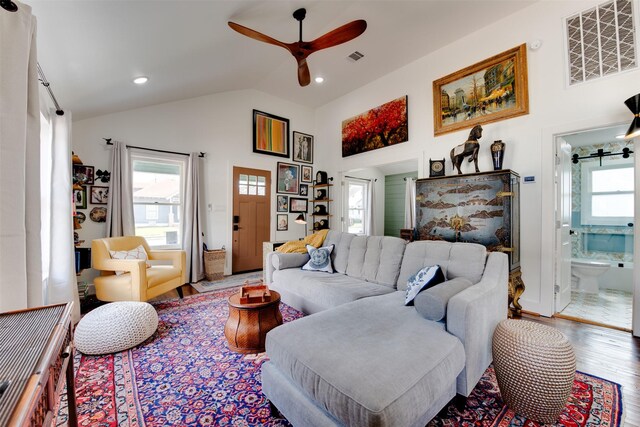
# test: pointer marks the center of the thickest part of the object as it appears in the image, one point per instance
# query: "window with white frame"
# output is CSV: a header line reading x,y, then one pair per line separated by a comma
x,y
607,192
356,206
158,198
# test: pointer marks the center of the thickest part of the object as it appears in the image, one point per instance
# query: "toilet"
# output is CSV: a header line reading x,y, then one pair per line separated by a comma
x,y
587,273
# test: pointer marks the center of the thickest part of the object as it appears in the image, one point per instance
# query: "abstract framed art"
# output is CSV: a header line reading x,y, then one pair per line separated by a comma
x,y
270,134
288,178
488,91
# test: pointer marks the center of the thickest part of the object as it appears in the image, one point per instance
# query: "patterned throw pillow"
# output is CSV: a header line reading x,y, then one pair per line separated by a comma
x,y
319,259
423,279
137,253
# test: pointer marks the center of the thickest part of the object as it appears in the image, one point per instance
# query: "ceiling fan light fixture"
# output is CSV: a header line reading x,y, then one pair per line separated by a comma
x,y
141,80
319,79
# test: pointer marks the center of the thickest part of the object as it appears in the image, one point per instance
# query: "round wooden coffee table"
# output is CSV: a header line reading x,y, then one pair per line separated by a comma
x,y
248,324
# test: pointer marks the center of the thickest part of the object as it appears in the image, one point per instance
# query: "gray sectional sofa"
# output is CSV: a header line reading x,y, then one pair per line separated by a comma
x,y
363,358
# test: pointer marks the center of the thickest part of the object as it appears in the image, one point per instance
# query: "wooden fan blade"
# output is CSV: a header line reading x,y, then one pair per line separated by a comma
x,y
340,35
304,77
245,31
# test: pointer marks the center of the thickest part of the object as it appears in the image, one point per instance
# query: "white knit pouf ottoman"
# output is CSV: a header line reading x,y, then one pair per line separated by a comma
x,y
115,327
535,366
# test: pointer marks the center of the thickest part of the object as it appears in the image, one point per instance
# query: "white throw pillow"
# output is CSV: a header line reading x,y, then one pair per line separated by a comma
x,y
137,253
423,279
319,259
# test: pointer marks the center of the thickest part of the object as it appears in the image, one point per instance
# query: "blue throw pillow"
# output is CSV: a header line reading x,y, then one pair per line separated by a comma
x,y
319,259
423,279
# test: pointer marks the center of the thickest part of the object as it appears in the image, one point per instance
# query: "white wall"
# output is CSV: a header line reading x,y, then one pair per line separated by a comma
x,y
221,126
528,138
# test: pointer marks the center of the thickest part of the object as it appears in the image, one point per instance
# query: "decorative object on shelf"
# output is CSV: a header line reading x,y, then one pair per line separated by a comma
x,y
80,198
491,90
99,195
321,194
497,154
270,134
287,177
468,148
480,208
320,210
601,153
301,49
379,127
321,178
297,205
282,203
633,104
103,175
304,189
283,222
306,174
83,175
324,223
98,214
302,147
436,167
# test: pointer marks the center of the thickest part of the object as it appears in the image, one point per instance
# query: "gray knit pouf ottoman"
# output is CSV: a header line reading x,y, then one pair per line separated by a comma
x,y
115,327
535,366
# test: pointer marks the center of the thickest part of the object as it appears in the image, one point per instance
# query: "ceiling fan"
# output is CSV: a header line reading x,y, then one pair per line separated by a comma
x,y
301,49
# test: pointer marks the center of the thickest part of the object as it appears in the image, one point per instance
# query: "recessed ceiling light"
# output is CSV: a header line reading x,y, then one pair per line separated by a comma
x,y
140,80
319,79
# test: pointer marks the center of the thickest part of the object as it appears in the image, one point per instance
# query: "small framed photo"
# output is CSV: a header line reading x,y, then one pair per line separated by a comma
x,y
306,173
80,198
99,195
283,222
298,205
283,203
83,175
270,134
304,189
302,147
287,176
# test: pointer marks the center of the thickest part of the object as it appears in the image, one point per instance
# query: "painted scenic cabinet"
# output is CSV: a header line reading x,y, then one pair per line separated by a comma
x,y
479,208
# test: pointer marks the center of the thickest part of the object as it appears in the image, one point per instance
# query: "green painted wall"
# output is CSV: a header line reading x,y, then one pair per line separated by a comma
x,y
394,191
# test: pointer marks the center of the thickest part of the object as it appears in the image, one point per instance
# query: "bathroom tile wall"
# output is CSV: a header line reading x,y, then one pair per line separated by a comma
x,y
611,243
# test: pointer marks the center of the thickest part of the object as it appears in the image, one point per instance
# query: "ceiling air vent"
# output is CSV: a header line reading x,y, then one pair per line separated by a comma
x,y
355,56
601,41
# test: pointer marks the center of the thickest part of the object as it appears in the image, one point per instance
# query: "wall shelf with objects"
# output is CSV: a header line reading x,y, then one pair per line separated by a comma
x,y
321,201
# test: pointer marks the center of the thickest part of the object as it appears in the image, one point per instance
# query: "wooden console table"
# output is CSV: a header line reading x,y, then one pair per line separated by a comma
x,y
36,349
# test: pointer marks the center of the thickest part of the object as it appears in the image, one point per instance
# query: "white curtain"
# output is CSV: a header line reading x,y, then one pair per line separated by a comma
x,y
410,204
191,224
58,254
369,207
21,283
120,220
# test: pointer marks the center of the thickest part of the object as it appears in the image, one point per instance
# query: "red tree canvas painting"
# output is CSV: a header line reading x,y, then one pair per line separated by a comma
x,y
377,128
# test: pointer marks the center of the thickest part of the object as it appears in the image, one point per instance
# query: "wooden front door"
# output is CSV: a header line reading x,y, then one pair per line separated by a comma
x,y
251,217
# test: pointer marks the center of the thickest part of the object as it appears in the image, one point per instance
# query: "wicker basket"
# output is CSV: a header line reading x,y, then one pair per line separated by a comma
x,y
535,367
214,264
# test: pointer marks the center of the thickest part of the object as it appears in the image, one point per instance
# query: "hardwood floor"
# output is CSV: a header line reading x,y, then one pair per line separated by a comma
x,y
603,352
606,353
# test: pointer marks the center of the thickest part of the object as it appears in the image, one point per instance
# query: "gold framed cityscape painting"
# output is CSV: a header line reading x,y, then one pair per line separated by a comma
x,y
491,90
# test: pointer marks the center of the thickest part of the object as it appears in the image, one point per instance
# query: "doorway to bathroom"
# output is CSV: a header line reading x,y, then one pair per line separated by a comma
x,y
595,227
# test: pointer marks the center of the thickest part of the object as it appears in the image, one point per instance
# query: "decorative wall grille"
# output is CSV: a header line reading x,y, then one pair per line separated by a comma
x,y
601,41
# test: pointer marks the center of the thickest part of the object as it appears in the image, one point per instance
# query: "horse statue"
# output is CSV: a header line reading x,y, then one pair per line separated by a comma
x,y
469,148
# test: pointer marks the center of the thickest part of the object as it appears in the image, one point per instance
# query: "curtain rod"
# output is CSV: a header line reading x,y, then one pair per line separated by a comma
x,y
47,86
361,179
202,153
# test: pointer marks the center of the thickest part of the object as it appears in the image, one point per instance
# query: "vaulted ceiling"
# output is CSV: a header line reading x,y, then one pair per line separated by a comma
x,y
91,50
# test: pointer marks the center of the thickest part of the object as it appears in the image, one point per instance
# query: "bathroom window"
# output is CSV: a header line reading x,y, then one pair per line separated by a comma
x,y
607,193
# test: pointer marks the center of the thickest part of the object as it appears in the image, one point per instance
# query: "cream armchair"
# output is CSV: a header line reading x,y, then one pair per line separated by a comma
x,y
139,282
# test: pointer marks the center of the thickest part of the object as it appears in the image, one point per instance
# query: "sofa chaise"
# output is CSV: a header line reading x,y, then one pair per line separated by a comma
x,y
363,358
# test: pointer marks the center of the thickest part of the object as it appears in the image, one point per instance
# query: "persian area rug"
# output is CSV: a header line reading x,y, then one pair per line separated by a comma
x,y
228,282
185,375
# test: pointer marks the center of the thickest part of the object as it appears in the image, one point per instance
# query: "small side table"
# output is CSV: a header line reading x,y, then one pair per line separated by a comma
x,y
248,324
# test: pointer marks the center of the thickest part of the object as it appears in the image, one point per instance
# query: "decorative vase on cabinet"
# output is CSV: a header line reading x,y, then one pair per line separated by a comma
x,y
479,208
